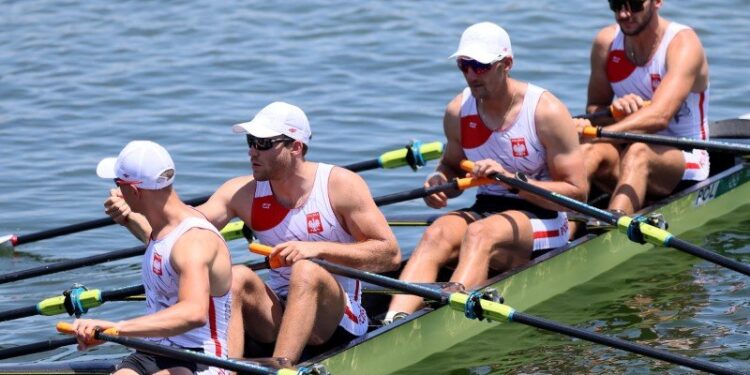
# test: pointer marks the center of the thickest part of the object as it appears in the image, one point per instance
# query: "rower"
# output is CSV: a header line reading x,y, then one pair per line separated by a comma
x,y
508,127
186,268
305,210
646,57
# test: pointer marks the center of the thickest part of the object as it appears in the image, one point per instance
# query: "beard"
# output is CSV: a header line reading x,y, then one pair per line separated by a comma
x,y
642,26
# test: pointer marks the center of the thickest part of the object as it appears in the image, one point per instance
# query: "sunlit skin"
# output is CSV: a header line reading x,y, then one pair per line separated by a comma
x,y
631,172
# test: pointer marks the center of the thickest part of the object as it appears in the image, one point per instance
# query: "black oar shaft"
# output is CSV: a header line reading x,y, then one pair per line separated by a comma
x,y
186,355
620,344
86,225
611,218
708,255
364,165
41,346
415,193
681,143
72,264
384,281
118,294
18,313
444,297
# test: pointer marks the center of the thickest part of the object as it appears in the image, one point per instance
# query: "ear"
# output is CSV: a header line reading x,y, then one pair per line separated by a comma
x,y
298,147
508,63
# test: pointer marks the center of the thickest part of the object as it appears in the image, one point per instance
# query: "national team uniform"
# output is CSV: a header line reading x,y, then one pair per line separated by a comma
x,y
161,283
690,121
315,220
517,149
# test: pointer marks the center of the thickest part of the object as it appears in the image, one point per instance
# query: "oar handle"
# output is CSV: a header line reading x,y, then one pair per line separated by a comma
x,y
265,250
67,328
611,111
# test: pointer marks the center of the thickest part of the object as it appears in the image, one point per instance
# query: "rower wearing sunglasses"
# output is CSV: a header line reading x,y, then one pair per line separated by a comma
x,y
304,210
508,127
644,57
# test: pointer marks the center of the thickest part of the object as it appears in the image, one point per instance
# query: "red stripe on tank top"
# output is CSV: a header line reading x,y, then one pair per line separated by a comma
x,y
212,327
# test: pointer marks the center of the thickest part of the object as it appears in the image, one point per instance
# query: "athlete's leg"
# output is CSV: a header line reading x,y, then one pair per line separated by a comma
x,y
646,169
502,241
439,246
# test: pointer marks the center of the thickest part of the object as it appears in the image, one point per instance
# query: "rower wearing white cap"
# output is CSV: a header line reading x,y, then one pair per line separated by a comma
x,y
186,269
509,127
305,210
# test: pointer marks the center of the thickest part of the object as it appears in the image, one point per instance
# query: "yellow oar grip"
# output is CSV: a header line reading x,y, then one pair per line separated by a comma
x,y
467,182
492,310
652,234
397,158
232,231
590,132
266,250
56,305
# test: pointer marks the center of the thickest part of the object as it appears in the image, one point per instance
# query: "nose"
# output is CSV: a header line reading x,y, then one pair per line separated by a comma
x,y
623,13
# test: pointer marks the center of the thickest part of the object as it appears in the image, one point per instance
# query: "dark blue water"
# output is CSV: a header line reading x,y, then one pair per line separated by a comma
x,y
78,80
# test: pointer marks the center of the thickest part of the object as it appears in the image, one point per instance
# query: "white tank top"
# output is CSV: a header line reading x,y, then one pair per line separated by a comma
x,y
691,120
161,282
273,224
516,148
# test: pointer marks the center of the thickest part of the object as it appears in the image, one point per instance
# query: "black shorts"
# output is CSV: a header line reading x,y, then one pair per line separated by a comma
x,y
488,205
145,363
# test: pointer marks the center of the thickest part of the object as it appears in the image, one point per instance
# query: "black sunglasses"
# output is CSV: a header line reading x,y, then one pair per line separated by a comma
x,y
476,66
634,6
263,144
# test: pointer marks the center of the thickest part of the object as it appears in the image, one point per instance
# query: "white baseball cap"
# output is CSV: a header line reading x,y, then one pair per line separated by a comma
x,y
145,163
276,119
484,42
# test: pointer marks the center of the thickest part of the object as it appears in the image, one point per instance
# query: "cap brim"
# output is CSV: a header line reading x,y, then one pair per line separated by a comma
x,y
481,57
255,129
106,168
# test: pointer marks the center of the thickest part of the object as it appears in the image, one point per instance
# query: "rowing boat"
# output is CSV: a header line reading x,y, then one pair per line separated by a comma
x,y
437,328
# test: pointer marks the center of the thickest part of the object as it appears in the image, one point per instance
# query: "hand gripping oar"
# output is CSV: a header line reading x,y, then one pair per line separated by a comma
x,y
111,335
474,307
611,111
414,155
75,301
636,229
233,230
681,143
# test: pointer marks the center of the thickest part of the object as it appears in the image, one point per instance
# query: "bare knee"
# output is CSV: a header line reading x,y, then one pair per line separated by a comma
x,y
306,276
635,158
245,282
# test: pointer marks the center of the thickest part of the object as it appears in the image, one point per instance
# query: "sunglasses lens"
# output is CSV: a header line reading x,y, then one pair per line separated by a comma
x,y
260,144
476,66
634,6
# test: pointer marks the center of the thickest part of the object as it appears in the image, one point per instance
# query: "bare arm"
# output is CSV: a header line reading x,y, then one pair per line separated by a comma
x,y
687,71
232,199
600,92
557,133
449,166
375,248
192,256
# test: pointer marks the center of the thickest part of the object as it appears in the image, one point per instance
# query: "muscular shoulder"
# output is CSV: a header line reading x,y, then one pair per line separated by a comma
x,y
452,118
686,40
552,118
605,36
242,187
196,246
346,188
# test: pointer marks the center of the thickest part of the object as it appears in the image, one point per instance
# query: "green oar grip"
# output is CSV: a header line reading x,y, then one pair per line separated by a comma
x,y
397,158
492,310
56,305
